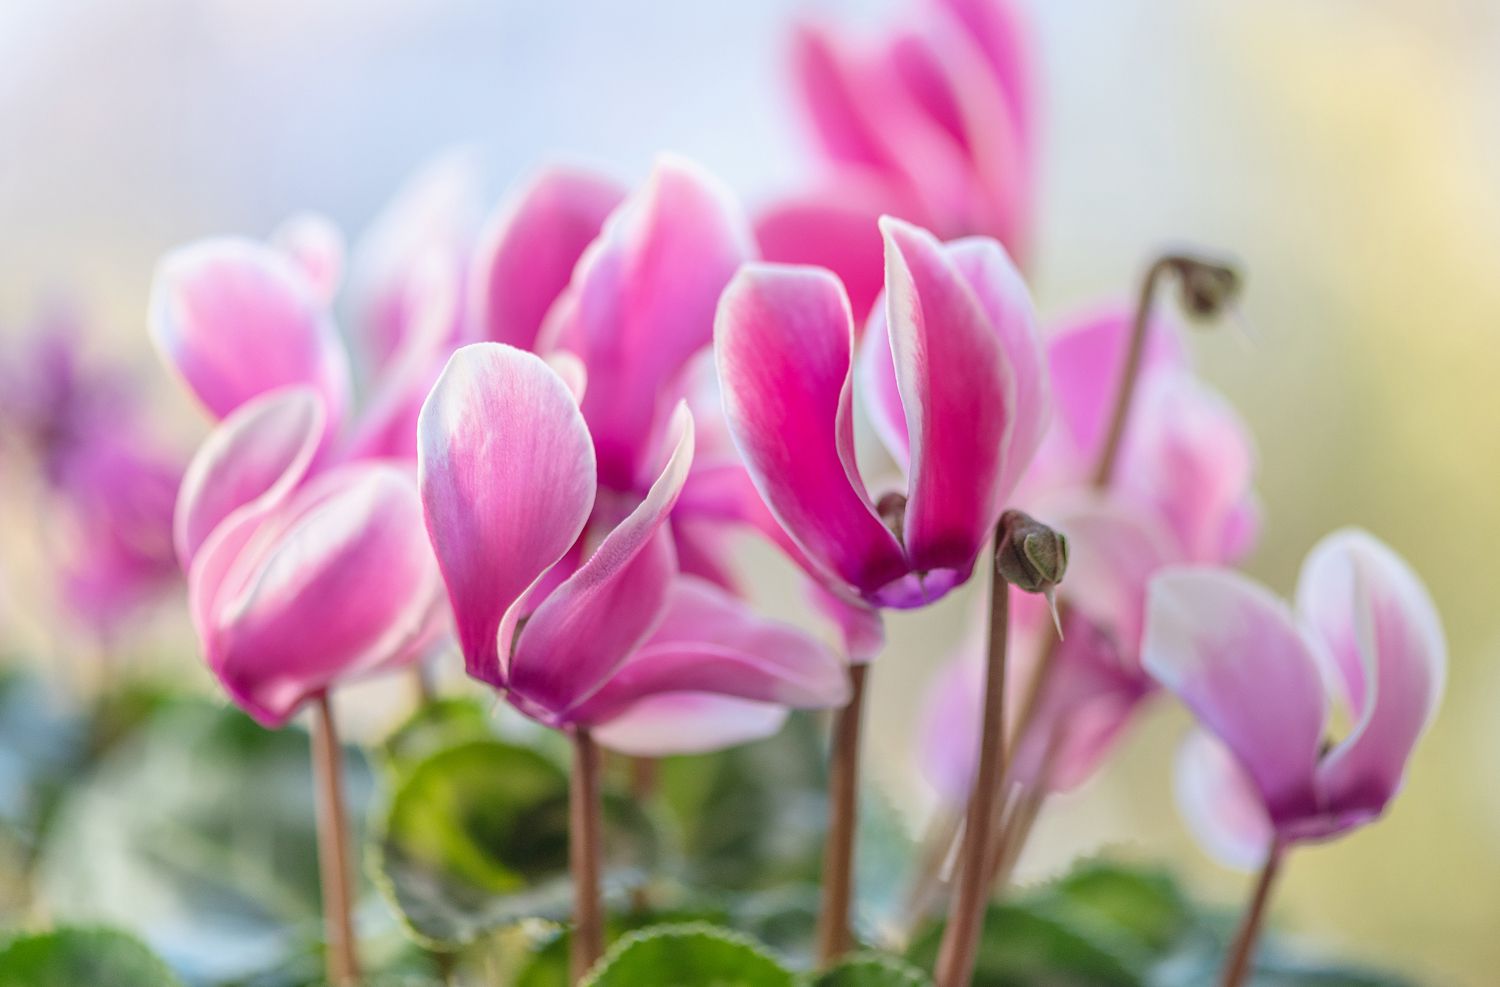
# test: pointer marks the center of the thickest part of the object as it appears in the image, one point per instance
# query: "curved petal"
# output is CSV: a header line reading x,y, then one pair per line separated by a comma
x,y
1002,34
642,303
1219,803
959,393
338,584
316,245
688,723
587,627
529,248
783,339
237,319
1234,655
1389,658
506,471
258,454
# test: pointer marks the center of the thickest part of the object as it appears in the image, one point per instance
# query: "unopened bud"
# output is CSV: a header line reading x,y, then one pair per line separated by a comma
x,y
1208,287
1030,556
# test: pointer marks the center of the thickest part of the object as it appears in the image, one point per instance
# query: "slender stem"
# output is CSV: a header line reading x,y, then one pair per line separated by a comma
x,y
1129,373
333,846
583,854
937,847
834,939
421,683
643,782
1243,949
961,936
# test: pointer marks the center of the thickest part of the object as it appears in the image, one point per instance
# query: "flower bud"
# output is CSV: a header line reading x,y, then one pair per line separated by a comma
x,y
1208,287
1030,556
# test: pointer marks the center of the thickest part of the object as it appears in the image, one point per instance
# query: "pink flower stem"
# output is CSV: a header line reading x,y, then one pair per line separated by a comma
x,y
1243,949
333,846
584,846
834,939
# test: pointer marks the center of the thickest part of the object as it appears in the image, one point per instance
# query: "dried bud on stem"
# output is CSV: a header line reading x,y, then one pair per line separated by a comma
x,y
1032,557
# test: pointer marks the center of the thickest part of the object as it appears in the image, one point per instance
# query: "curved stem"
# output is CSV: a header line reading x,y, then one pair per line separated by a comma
x,y
584,839
834,939
1243,949
333,846
1130,372
955,964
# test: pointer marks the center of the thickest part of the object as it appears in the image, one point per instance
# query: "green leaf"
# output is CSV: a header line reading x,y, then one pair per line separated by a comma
x,y
871,970
76,957
436,726
1145,906
1019,945
476,838
694,955
197,833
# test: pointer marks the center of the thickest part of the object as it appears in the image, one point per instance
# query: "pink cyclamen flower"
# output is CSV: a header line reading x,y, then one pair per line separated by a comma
x,y
1261,680
931,122
963,411
509,478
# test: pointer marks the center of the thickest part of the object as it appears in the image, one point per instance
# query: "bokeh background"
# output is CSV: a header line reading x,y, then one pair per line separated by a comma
x,y
1346,151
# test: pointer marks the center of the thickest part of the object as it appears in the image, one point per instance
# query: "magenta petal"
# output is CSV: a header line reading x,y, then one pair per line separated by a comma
x,y
506,471
316,246
528,251
237,319
1000,32
783,340
708,641
588,626
688,723
1386,641
337,584
1235,656
959,393
1220,804
256,456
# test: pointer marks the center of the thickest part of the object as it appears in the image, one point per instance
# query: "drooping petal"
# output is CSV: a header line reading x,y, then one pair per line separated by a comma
x,y
641,305
316,245
337,584
236,319
959,393
1220,804
506,471
688,723
1390,661
1235,656
259,453
591,624
783,340
530,247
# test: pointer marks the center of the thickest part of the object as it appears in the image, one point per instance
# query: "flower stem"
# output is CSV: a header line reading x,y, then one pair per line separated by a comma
x,y
955,963
585,809
333,846
834,939
1243,949
643,784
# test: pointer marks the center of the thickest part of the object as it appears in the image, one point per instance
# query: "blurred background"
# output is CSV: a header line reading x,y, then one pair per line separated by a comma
x,y
1346,151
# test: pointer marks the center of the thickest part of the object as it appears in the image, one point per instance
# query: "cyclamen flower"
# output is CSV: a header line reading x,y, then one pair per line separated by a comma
x,y
1262,768
932,122
957,383
509,478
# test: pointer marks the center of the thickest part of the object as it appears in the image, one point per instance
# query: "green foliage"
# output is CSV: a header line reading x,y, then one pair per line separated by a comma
x,y
871,970
693,955
75,957
1019,945
436,726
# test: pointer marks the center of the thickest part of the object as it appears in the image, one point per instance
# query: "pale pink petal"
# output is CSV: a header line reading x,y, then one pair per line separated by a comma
x,y
316,245
236,319
783,349
688,723
337,584
507,477
641,305
1002,34
529,248
586,628
1220,804
860,626
948,738
255,457
1235,656
1390,662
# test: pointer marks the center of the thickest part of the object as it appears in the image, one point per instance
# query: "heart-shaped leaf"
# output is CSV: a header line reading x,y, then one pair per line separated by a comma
x,y
75,957
1019,945
693,955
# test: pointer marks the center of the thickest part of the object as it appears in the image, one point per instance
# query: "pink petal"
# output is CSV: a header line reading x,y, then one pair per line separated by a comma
x,y
641,305
959,393
688,723
1220,804
528,251
860,626
506,471
586,628
1389,659
237,319
253,460
337,584
316,245
783,340
1234,655
1002,34
948,738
